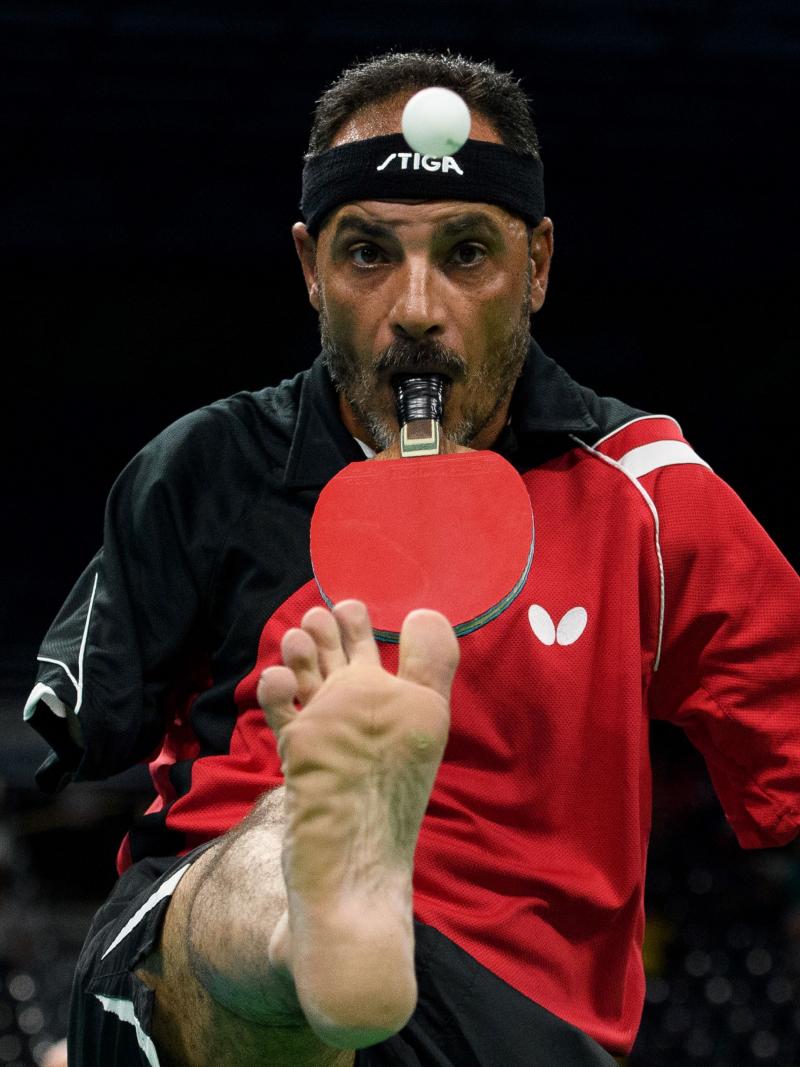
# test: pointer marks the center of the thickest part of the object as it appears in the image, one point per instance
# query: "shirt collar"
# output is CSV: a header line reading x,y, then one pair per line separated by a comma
x,y
545,401
321,443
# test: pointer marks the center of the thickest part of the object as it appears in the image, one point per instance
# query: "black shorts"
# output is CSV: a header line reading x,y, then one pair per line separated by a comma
x,y
465,1017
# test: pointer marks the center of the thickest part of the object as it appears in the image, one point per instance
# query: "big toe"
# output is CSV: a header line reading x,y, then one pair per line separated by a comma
x,y
429,651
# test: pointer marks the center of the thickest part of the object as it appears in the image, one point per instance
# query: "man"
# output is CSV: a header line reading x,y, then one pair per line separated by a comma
x,y
505,772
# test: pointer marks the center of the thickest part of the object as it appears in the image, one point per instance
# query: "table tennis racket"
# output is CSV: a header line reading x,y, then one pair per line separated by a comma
x,y
451,532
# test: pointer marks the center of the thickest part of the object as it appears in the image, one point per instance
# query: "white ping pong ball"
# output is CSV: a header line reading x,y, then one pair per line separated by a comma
x,y
436,122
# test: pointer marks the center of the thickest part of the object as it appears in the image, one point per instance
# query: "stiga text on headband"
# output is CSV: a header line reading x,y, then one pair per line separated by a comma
x,y
385,168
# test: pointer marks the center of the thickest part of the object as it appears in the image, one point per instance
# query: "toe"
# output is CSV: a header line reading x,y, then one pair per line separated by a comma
x,y
429,651
323,628
356,630
277,689
299,652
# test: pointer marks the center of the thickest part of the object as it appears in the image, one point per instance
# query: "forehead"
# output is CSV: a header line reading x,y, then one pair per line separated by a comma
x,y
383,117
376,120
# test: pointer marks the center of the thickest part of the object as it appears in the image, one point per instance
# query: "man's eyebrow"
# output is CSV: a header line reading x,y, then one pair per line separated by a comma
x,y
362,226
473,220
453,227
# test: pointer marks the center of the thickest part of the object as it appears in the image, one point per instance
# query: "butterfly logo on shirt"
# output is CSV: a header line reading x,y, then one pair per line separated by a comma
x,y
569,629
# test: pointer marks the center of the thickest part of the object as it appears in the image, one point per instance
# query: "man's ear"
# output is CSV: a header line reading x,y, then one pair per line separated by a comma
x,y
306,248
541,257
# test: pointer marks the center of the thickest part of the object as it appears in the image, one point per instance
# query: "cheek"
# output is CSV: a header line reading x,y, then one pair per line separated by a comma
x,y
501,308
502,290
358,318
341,314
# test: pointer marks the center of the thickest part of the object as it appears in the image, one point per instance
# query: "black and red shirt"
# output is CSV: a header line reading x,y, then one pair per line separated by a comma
x,y
654,593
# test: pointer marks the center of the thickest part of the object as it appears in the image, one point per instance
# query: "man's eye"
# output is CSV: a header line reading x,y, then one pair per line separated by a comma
x,y
468,254
365,255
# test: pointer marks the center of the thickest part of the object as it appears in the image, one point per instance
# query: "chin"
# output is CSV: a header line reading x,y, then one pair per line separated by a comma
x,y
383,432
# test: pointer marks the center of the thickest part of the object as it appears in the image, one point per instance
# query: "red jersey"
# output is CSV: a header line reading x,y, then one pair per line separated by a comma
x,y
653,593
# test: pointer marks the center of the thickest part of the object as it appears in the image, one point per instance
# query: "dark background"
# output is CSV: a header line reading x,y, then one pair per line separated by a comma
x,y
151,157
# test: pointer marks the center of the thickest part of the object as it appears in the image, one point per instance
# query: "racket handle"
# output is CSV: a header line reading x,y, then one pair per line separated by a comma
x,y
420,404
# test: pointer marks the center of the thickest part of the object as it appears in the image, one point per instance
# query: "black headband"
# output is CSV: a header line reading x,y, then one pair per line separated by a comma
x,y
385,168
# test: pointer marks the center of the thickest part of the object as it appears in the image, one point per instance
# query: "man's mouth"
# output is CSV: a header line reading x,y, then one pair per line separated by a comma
x,y
421,372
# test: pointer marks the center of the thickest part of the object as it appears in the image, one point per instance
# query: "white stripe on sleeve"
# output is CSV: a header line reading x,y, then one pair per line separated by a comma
x,y
44,693
123,1009
78,683
646,458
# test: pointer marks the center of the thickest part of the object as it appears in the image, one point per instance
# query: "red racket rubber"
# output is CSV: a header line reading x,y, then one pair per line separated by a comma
x,y
449,532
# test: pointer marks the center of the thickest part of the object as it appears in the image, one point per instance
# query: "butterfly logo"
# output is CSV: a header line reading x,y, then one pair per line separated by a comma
x,y
569,629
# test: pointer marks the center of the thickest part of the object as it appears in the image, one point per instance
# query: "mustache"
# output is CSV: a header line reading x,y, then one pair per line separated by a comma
x,y
407,356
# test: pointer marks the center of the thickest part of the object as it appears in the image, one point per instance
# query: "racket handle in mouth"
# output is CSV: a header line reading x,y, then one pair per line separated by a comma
x,y
420,405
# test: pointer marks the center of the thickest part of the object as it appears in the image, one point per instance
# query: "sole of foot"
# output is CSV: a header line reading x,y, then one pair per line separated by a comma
x,y
360,749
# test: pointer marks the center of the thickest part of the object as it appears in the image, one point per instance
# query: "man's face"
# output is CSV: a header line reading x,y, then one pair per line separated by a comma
x,y
445,286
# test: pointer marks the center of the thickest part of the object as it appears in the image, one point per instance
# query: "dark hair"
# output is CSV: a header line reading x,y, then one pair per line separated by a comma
x,y
495,94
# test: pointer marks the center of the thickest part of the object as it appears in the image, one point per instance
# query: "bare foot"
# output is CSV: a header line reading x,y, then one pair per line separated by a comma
x,y
360,760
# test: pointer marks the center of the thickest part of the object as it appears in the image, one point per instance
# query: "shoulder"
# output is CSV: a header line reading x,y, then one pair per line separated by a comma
x,y
637,441
620,427
641,442
687,498
228,443
259,423
695,510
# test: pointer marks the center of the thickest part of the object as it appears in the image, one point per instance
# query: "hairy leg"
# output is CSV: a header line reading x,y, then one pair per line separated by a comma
x,y
291,941
192,1028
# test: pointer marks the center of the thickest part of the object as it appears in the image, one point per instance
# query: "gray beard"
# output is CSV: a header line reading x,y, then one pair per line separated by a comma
x,y
357,383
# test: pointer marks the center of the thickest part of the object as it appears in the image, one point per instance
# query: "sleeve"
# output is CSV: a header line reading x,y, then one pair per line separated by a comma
x,y
106,662
730,668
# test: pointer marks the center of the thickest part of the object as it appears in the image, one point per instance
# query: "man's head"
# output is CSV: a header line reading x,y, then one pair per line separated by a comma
x,y
407,284
492,93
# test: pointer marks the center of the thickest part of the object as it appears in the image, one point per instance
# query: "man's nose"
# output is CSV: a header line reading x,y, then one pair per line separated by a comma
x,y
418,311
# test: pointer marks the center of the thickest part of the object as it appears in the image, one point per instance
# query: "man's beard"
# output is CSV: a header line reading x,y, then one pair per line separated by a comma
x,y
494,377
